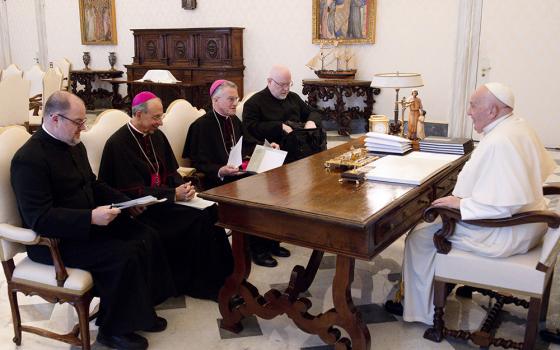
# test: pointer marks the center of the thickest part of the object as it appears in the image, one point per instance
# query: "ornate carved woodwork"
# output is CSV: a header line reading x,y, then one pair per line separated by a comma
x,y
86,79
193,55
329,89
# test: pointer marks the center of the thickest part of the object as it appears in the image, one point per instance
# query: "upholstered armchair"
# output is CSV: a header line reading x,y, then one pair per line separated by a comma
x,y
179,116
55,284
239,108
96,136
52,82
35,75
526,275
14,100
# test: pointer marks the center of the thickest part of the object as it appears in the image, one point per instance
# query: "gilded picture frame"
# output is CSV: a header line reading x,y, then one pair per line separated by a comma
x,y
344,21
98,23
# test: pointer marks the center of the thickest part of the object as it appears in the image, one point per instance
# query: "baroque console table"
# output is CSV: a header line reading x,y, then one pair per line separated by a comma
x,y
337,89
86,78
365,220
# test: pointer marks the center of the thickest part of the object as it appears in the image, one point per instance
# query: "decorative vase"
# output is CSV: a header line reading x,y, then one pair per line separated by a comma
x,y
112,60
87,59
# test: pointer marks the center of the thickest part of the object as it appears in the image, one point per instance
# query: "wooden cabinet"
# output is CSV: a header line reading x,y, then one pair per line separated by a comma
x,y
191,55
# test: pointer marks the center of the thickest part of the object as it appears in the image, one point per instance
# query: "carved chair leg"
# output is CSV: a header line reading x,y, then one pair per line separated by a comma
x,y
16,318
532,324
82,308
435,333
545,299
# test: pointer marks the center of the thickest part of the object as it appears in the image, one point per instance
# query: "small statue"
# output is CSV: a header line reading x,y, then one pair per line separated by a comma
x,y
420,133
415,105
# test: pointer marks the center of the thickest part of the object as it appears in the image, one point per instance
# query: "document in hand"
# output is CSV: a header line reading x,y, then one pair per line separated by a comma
x,y
414,168
235,159
266,158
196,202
145,201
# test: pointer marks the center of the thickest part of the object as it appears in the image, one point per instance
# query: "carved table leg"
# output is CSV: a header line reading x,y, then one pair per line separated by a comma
x,y
301,279
230,313
348,316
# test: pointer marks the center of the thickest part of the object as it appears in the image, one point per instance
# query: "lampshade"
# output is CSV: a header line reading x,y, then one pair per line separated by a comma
x,y
397,80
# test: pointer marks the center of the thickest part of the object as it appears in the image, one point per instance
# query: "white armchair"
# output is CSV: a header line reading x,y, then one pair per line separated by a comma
x,y
179,116
96,136
528,275
10,71
239,108
14,101
52,82
52,283
64,66
35,76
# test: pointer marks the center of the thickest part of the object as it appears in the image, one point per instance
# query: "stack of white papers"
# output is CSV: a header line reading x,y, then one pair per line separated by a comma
x,y
265,158
414,168
196,202
377,142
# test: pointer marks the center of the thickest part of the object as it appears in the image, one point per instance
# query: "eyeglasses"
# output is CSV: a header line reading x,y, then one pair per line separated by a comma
x,y
79,123
231,99
283,85
158,117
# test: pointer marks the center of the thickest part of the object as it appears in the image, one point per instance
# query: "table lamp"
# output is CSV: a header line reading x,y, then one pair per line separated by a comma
x,y
397,81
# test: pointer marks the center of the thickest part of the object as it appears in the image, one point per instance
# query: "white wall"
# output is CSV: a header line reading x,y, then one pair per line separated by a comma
x,y
411,36
23,32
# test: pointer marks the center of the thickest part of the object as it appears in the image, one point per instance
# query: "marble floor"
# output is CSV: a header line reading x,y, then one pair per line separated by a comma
x,y
193,323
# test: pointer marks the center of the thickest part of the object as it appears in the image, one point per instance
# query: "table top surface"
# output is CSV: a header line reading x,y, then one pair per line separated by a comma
x,y
125,81
306,188
345,82
96,71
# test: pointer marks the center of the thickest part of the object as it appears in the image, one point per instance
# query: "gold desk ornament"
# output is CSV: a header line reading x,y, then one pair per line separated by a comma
x,y
379,123
355,158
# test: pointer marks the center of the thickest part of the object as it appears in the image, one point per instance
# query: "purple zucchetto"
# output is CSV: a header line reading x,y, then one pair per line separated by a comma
x,y
216,85
142,97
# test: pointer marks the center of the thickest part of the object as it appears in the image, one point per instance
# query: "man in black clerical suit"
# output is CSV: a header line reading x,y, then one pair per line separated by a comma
x,y
58,196
138,161
209,141
266,115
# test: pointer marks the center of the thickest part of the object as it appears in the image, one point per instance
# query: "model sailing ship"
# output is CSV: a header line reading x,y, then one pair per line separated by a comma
x,y
333,62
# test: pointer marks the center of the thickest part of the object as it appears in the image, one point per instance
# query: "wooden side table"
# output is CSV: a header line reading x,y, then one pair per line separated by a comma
x,y
86,78
337,89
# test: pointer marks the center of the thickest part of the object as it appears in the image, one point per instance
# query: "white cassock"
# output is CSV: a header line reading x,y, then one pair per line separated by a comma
x,y
504,176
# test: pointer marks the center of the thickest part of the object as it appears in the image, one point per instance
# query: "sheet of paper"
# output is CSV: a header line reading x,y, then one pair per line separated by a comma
x,y
235,159
145,201
267,144
266,158
196,202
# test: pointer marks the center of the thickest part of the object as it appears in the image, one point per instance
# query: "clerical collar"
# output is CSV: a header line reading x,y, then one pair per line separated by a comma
x,y
492,125
138,131
51,135
221,115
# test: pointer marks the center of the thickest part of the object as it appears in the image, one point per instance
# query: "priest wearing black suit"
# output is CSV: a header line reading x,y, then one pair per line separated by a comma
x,y
209,141
58,196
138,160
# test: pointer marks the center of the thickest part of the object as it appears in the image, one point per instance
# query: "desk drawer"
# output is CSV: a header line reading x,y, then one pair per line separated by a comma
x,y
445,186
400,219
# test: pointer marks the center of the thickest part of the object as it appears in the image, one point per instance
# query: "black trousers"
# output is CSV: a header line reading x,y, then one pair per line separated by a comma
x,y
130,272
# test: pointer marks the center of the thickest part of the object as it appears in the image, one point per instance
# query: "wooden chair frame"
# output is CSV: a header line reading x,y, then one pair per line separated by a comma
x,y
538,307
79,335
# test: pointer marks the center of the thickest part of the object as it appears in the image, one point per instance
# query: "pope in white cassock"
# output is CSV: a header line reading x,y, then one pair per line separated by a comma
x,y
504,176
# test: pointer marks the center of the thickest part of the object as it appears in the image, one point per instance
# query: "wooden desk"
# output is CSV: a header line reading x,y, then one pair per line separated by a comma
x,y
337,89
86,78
196,92
304,204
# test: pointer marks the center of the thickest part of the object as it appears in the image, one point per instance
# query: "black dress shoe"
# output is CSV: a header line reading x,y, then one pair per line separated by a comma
x,y
160,324
280,251
129,341
550,336
264,259
394,307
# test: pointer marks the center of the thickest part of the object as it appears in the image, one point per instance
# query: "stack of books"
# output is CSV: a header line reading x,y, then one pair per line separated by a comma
x,y
383,143
446,145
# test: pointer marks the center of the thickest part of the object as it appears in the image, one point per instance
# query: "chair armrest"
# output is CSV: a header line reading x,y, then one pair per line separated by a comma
x,y
451,216
551,189
60,270
18,234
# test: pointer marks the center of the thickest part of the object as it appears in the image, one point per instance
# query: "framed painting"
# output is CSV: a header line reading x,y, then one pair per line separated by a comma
x,y
98,22
344,21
